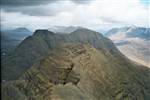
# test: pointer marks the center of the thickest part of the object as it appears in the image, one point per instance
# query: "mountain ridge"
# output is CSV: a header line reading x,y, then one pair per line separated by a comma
x,y
11,38
132,42
36,46
83,72
132,31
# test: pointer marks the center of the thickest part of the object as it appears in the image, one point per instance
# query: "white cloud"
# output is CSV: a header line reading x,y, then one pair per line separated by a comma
x,y
96,14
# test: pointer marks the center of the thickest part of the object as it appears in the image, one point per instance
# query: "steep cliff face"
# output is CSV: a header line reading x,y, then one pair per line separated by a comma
x,y
78,71
37,46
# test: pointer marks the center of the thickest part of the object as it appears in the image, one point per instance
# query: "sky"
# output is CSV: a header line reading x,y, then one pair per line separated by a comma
x,y
93,14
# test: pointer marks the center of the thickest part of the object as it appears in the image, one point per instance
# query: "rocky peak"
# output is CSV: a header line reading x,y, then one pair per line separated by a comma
x,y
21,29
41,32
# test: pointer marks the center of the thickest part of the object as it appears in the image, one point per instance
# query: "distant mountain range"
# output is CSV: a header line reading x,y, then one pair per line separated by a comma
x,y
63,29
82,65
133,31
11,38
133,41
18,33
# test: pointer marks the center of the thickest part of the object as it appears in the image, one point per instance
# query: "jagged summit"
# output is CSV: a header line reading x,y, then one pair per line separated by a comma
x,y
41,42
42,32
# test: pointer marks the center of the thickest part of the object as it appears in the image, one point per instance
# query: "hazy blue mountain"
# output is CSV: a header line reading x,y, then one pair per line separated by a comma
x,y
18,33
11,38
7,44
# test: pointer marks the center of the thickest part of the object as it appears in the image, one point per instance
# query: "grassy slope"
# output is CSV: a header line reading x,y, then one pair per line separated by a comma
x,y
80,72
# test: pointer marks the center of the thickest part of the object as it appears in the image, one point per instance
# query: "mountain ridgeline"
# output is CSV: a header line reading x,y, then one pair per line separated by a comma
x,y
37,46
134,42
82,65
11,38
132,31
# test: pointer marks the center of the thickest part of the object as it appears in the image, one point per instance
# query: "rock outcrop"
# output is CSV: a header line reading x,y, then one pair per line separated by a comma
x,y
77,71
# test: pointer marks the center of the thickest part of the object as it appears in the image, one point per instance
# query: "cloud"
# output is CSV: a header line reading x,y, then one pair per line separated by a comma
x,y
49,9
25,2
94,14
41,7
40,10
82,1
111,20
36,2
13,20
